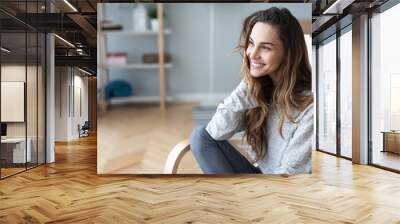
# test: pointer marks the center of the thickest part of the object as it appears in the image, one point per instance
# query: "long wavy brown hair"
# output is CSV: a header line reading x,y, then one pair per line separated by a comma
x,y
294,75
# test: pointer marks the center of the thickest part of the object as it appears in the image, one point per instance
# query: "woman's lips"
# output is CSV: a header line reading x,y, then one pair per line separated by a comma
x,y
256,65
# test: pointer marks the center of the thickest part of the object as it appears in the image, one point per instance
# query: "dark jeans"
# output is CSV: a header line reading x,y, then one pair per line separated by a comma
x,y
218,157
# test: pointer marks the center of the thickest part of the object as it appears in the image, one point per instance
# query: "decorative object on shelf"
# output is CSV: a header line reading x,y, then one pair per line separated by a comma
x,y
151,58
140,19
118,88
109,26
117,58
153,19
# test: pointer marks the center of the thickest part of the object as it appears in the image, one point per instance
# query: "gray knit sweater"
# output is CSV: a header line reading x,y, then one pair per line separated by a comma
x,y
288,155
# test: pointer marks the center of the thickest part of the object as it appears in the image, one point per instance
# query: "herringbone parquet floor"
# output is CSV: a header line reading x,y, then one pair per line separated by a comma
x,y
70,191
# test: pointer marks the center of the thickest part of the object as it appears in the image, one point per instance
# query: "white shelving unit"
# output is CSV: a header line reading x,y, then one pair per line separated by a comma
x,y
104,68
128,32
136,99
135,66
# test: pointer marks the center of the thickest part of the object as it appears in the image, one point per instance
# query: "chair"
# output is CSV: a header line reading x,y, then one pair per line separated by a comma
x,y
176,154
84,130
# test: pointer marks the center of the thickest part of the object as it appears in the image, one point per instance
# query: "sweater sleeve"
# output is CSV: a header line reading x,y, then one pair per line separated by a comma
x,y
228,119
298,153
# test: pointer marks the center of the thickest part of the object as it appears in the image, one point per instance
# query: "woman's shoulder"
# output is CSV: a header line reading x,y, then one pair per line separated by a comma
x,y
242,94
307,113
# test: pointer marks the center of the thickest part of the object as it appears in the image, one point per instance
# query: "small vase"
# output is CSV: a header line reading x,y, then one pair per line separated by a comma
x,y
154,24
140,19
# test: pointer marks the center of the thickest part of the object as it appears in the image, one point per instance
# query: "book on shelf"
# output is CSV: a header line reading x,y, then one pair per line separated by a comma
x,y
116,58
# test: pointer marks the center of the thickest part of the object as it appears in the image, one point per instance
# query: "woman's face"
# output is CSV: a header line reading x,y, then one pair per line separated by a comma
x,y
265,50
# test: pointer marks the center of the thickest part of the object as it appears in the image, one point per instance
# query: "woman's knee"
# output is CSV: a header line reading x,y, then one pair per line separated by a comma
x,y
198,137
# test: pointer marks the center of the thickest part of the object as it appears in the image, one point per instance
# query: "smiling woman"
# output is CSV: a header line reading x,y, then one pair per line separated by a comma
x,y
273,104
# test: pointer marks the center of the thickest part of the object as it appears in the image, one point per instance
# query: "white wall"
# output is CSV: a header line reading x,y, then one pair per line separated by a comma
x,y
61,103
70,83
80,110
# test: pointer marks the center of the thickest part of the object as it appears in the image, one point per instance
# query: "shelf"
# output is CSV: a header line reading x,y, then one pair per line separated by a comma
x,y
135,99
128,33
131,32
136,66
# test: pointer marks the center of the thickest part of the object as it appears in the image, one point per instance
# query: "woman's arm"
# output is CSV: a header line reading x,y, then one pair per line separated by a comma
x,y
298,154
228,119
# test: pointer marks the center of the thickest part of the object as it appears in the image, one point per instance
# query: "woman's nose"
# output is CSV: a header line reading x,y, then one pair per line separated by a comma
x,y
254,53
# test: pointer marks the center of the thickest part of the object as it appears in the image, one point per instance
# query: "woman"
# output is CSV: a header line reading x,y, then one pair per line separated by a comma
x,y
273,104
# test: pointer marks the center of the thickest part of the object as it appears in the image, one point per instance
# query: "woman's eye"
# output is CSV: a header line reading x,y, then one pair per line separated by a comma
x,y
266,48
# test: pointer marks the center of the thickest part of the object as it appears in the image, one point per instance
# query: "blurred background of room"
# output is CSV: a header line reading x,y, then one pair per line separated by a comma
x,y
146,107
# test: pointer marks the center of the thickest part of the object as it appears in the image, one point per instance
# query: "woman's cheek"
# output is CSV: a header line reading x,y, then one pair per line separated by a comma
x,y
273,60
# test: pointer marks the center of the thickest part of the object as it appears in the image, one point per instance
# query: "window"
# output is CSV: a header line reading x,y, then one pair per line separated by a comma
x,y
385,89
327,96
346,92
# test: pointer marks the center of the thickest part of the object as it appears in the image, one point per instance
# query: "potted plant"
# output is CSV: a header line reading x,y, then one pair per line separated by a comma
x,y
152,13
